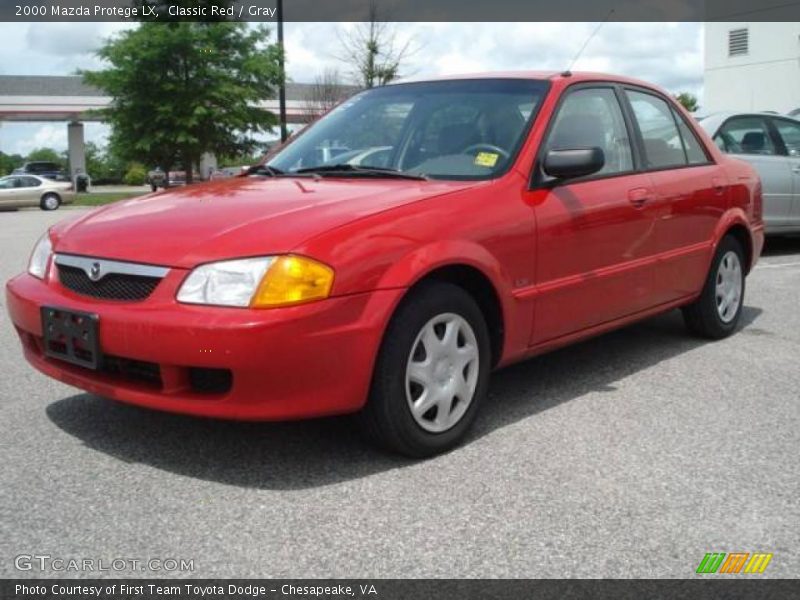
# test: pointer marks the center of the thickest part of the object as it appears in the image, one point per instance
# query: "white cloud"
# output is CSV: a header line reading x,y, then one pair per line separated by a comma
x,y
53,48
21,138
43,136
668,54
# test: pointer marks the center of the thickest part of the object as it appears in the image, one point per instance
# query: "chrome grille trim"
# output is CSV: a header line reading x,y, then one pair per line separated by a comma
x,y
107,267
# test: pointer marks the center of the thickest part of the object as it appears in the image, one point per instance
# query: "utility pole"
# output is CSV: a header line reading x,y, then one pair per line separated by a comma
x,y
282,89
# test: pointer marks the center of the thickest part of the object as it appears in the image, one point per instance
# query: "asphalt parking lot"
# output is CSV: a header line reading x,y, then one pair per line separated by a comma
x,y
630,455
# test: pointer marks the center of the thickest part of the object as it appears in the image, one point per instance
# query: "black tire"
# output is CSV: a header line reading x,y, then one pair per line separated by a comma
x,y
153,187
702,316
387,419
50,201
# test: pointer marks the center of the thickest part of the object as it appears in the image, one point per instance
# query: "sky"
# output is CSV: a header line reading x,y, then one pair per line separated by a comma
x,y
667,54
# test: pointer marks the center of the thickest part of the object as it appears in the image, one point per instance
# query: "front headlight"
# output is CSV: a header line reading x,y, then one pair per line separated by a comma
x,y
263,282
37,265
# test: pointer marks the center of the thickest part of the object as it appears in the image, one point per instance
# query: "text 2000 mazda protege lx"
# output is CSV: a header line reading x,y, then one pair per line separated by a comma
x,y
392,255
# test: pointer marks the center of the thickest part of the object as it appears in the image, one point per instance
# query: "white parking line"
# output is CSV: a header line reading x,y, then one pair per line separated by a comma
x,y
777,265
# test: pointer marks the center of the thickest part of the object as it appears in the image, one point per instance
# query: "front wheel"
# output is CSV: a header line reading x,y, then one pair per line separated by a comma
x,y
431,373
716,313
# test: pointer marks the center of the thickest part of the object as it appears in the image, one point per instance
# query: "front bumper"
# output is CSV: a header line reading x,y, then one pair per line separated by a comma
x,y
305,361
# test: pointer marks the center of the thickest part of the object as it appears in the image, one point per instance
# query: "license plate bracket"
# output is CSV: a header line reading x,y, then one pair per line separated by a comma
x,y
71,336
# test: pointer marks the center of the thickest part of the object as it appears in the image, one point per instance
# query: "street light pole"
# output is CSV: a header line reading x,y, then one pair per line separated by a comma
x,y
282,89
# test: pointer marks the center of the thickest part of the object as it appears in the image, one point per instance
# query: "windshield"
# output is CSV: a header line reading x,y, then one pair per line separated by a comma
x,y
464,129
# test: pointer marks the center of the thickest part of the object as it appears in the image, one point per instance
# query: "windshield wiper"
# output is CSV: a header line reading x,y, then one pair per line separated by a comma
x,y
356,170
264,170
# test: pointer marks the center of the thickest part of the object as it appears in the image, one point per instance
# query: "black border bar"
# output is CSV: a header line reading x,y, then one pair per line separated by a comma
x,y
401,11
706,587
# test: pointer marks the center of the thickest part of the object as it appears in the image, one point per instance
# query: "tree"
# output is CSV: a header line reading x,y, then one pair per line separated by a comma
x,y
103,166
373,52
45,154
325,93
689,101
182,89
9,162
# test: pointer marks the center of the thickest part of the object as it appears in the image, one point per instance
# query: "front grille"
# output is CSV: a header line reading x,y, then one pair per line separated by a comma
x,y
114,286
139,371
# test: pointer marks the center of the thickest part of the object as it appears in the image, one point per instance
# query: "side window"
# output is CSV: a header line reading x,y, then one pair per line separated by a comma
x,y
790,134
30,182
592,117
694,148
746,135
663,146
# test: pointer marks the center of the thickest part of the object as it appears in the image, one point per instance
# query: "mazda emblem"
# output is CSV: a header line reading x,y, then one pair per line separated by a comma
x,y
94,272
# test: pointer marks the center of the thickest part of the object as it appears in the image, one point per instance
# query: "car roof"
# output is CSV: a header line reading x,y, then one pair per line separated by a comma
x,y
714,121
571,76
22,174
567,76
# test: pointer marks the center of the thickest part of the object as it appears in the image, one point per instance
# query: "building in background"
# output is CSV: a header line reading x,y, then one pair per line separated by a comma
x,y
751,67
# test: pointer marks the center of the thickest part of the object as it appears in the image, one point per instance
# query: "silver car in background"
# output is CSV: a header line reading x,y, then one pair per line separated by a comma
x,y
17,191
771,143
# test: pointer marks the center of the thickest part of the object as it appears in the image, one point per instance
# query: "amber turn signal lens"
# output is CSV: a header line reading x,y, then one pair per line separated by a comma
x,y
293,280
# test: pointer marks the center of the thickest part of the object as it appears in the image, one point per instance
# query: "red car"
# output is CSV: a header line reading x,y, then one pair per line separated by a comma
x,y
512,214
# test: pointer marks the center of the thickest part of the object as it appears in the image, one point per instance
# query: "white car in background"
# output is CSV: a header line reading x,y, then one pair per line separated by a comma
x,y
771,144
17,191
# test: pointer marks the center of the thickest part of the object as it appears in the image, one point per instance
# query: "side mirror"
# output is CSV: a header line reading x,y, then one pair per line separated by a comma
x,y
573,162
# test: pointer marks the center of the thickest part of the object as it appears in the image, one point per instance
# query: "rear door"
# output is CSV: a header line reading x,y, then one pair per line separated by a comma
x,y
750,138
29,191
595,235
788,132
691,193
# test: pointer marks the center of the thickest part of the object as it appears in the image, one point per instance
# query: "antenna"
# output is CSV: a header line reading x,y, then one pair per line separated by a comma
x,y
568,72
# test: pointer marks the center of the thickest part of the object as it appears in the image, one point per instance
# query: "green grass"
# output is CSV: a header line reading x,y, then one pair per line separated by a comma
x,y
98,199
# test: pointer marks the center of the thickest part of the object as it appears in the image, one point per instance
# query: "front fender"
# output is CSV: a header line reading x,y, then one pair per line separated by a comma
x,y
423,261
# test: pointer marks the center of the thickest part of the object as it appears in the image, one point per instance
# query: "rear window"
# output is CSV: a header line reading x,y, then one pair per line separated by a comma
x,y
668,140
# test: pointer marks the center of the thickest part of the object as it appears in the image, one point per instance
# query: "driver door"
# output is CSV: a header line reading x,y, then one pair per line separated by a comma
x,y
595,238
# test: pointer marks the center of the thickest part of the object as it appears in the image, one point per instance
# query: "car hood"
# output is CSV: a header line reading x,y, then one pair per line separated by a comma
x,y
245,216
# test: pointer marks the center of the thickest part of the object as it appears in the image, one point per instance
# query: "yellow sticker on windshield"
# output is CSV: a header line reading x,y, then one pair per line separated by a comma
x,y
486,159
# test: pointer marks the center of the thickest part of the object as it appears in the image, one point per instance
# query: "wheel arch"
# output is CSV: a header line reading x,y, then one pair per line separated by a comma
x,y
468,266
735,225
741,234
478,285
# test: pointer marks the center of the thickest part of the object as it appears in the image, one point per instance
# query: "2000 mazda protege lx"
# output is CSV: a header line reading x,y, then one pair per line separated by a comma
x,y
393,254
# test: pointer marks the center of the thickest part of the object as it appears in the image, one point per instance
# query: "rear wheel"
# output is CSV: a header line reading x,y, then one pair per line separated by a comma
x,y
50,202
716,313
431,374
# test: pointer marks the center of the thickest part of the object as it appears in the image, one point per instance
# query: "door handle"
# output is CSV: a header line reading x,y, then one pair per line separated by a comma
x,y
718,185
796,169
638,196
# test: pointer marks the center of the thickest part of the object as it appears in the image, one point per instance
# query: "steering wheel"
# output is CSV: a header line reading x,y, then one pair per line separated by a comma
x,y
485,146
